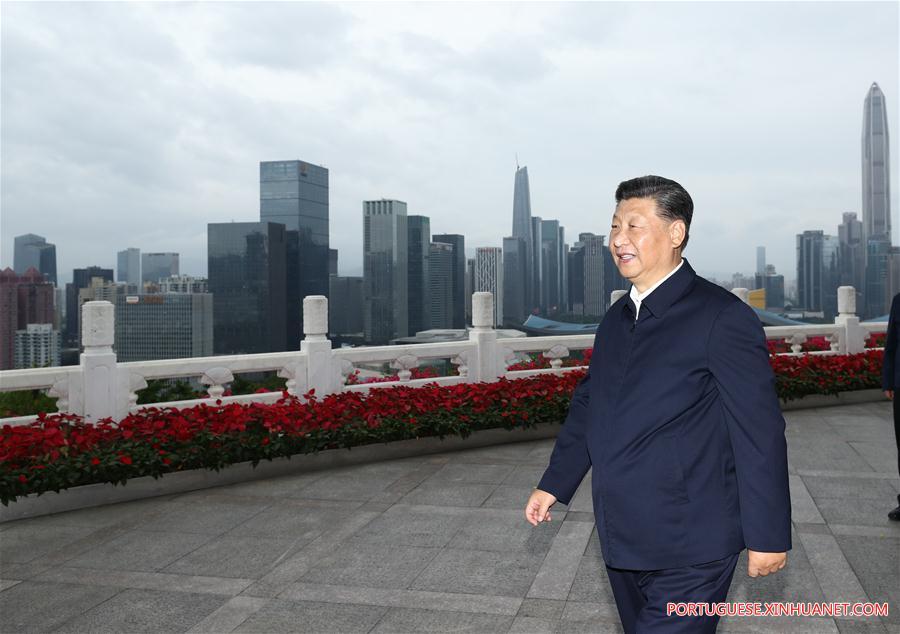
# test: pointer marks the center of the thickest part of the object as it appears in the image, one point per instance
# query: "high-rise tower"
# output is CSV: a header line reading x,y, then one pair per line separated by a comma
x,y
876,190
522,228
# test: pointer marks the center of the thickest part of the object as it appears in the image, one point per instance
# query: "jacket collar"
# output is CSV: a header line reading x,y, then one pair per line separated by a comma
x,y
667,293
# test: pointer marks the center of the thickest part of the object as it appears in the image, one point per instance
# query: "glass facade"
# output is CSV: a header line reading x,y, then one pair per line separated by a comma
x,y
876,181
522,228
295,194
128,266
248,283
164,326
385,271
155,266
458,277
419,292
441,267
515,279
31,250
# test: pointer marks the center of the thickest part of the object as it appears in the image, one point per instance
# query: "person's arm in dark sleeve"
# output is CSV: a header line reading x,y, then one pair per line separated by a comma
x,y
890,348
570,460
739,361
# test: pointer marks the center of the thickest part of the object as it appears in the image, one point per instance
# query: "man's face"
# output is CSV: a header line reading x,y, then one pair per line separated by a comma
x,y
643,244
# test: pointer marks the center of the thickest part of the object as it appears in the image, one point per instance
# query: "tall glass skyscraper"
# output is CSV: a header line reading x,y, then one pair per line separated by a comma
x,y
32,250
458,277
156,266
385,271
128,266
522,228
246,262
419,290
876,186
295,194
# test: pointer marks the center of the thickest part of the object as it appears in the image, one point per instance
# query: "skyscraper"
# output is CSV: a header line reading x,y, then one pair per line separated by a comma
x,y
128,266
295,194
551,257
81,279
155,266
594,260
489,277
441,266
853,253
385,271
761,261
418,289
164,326
522,228
458,277
515,278
876,186
537,265
818,272
32,250
246,262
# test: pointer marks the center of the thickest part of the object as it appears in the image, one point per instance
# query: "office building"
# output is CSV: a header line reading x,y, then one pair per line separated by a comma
x,y
418,242
594,299
155,266
128,267
761,261
515,279
37,346
81,278
523,229
385,271
164,326
876,171
295,194
33,251
441,265
345,305
470,287
488,276
551,262
248,283
458,276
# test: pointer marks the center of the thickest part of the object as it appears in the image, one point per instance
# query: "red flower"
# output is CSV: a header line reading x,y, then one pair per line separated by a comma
x,y
125,459
95,461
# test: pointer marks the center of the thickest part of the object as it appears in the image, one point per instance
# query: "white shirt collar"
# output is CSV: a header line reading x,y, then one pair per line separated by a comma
x,y
638,297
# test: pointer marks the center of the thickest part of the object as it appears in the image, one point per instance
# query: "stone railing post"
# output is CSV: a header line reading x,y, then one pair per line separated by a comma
x,y
99,369
743,294
852,338
615,295
320,374
487,366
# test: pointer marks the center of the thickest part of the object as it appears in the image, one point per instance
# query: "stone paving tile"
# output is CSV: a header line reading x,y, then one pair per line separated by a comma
x,y
41,607
203,513
233,555
412,525
768,624
469,473
145,611
412,621
866,488
389,545
140,550
451,495
20,544
316,618
372,566
478,571
855,511
504,531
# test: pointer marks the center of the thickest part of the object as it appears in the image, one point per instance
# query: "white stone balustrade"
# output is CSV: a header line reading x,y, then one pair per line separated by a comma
x,y
101,387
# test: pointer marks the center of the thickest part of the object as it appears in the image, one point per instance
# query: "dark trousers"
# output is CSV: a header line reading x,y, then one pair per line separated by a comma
x,y
642,596
897,426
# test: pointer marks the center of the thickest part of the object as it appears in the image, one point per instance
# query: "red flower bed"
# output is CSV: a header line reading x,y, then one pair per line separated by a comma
x,y
61,450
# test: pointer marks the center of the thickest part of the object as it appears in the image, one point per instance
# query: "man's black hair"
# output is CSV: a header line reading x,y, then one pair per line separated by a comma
x,y
672,200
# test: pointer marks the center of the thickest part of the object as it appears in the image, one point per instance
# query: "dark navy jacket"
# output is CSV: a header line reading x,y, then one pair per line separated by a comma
x,y
890,367
679,417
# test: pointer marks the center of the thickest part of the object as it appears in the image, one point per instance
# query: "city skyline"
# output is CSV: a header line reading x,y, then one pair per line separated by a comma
x,y
524,79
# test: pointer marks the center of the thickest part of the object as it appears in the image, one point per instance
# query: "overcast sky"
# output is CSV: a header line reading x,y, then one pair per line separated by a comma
x,y
128,124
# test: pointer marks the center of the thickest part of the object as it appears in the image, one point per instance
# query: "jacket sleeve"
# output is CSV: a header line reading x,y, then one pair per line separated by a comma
x,y
890,347
739,362
570,460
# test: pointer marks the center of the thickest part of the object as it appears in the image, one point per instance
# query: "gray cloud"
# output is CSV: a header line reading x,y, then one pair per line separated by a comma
x,y
130,124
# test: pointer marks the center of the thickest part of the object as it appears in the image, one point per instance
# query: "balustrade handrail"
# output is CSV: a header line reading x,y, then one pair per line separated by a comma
x,y
102,387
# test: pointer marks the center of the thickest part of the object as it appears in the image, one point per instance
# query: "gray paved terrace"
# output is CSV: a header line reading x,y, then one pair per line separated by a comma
x,y
431,544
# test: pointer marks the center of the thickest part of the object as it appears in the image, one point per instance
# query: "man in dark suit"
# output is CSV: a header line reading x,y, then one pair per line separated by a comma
x,y
890,378
679,420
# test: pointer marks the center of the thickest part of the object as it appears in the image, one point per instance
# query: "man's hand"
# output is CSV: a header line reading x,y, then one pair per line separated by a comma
x,y
538,508
762,564
889,394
